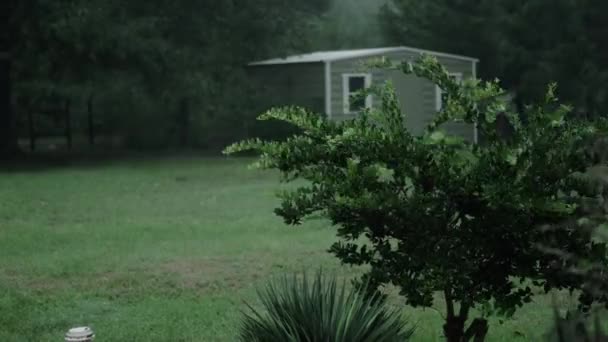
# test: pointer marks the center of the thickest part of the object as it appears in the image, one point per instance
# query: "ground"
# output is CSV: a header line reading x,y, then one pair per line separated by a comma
x,y
163,249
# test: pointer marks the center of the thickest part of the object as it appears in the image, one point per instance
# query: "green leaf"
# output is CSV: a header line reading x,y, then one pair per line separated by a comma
x,y
557,117
493,111
434,137
511,158
385,175
550,95
557,207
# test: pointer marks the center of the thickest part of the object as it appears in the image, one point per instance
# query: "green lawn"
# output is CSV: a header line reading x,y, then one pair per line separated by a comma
x,y
161,250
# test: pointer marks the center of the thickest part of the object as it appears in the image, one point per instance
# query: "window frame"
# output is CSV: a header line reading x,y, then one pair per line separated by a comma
x,y
346,93
439,92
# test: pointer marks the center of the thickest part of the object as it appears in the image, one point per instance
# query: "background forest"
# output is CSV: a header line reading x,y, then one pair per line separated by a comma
x,y
165,74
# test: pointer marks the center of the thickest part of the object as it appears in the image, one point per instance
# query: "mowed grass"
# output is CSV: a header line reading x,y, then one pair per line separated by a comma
x,y
163,250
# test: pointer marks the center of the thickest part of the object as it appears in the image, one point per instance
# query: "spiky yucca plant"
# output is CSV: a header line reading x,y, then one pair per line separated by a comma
x,y
296,309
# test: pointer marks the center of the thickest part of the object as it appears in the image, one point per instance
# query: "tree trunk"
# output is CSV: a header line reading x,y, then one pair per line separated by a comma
x,y
477,330
68,124
90,120
183,122
9,146
8,137
454,327
31,128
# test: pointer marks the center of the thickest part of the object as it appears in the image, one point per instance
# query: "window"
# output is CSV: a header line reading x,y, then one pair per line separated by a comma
x,y
351,84
439,91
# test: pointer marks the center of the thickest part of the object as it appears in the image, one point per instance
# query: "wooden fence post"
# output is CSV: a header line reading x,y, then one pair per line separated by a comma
x,y
68,124
31,128
90,120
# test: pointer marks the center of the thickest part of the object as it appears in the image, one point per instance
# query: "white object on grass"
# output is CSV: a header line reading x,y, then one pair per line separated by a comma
x,y
80,334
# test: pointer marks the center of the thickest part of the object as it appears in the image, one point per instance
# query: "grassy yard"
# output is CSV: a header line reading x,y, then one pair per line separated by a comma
x,y
161,250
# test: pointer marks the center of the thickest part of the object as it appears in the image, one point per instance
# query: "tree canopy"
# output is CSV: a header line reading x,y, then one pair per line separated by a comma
x,y
526,44
146,57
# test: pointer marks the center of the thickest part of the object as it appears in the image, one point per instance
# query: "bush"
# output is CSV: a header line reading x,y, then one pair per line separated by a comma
x,y
297,310
575,326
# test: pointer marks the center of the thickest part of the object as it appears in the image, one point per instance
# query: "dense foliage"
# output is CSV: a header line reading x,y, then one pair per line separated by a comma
x,y
525,43
177,66
297,309
577,326
436,213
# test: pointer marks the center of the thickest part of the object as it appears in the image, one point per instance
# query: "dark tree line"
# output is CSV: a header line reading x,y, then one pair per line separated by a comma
x,y
162,73
148,69
7,136
525,43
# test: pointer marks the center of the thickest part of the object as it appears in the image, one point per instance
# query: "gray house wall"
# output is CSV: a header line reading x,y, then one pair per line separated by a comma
x,y
303,84
416,95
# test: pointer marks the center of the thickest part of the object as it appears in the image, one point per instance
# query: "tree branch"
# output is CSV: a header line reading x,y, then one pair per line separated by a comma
x,y
477,330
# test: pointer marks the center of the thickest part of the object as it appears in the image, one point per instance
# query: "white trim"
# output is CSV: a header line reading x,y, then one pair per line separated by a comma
x,y
339,55
346,91
438,91
439,54
475,128
328,89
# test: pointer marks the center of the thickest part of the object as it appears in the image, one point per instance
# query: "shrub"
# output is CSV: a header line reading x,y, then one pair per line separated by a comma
x,y
298,310
575,325
438,213
574,328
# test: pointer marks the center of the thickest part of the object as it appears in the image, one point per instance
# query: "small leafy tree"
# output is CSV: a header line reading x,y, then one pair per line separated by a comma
x,y
436,213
